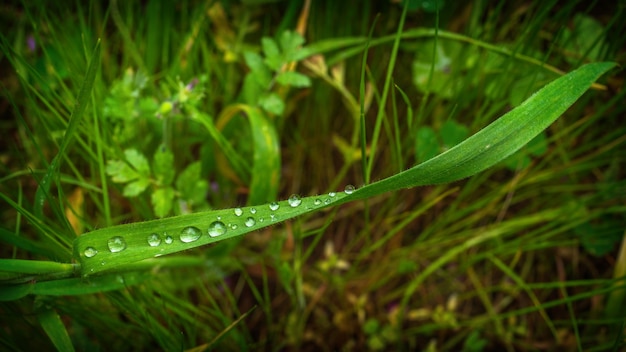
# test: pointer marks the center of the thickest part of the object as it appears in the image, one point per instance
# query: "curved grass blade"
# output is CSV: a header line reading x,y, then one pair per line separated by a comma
x,y
354,46
266,159
116,246
500,139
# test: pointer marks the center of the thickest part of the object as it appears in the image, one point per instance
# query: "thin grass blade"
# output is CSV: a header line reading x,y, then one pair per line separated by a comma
x,y
116,246
77,114
53,326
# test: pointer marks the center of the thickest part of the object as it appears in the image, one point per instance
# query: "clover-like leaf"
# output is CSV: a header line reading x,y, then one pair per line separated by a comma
x,y
120,171
162,200
138,161
272,103
190,184
273,57
290,42
163,166
135,188
294,79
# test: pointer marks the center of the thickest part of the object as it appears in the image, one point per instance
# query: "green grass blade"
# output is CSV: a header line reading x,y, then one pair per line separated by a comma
x,y
382,105
77,114
97,284
23,266
14,292
107,248
53,326
23,243
130,241
266,158
498,140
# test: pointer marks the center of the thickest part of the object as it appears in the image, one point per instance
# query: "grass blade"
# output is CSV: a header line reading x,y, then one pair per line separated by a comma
x,y
266,160
500,139
112,247
53,326
77,114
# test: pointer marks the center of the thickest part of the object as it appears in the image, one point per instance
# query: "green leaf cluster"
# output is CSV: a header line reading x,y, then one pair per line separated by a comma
x,y
137,175
270,68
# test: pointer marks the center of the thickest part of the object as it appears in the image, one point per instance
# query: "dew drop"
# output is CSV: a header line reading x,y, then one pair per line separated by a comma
x,y
253,210
234,226
294,200
190,234
349,189
261,219
238,211
272,217
90,252
154,239
274,206
317,202
250,222
219,218
116,244
169,239
327,201
217,228
332,194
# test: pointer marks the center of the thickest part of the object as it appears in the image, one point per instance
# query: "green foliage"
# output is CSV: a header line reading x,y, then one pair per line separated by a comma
x,y
482,150
270,68
474,343
600,237
135,171
585,36
430,143
179,96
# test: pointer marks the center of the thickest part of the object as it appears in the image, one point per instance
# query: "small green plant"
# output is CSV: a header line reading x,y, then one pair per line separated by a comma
x,y
189,190
272,68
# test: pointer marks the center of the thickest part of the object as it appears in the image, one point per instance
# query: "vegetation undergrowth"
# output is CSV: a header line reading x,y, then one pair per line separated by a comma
x,y
181,175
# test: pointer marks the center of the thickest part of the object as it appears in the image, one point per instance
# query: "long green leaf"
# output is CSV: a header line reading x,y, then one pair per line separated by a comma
x,y
116,246
266,160
43,189
500,139
53,326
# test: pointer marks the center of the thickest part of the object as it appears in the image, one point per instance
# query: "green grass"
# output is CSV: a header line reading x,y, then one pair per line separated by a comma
x,y
133,122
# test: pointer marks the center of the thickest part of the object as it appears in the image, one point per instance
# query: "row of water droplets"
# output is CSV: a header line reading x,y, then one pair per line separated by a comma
x,y
217,228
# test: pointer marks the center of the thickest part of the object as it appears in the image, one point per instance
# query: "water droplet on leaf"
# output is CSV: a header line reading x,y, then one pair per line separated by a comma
x,y
238,211
217,228
332,194
253,210
154,239
190,234
116,244
274,206
90,252
317,202
294,200
349,189
250,222
169,239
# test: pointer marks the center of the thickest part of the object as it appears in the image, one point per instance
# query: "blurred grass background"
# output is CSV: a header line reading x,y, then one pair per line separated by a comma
x,y
549,279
